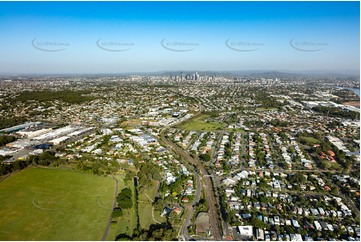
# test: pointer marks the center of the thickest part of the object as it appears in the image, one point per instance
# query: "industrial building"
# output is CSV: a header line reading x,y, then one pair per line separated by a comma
x,y
20,127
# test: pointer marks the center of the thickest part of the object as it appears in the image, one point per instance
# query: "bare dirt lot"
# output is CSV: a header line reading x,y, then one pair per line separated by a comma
x,y
354,104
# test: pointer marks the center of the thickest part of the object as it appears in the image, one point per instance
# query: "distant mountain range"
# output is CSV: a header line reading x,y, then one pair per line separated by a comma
x,y
268,73
235,73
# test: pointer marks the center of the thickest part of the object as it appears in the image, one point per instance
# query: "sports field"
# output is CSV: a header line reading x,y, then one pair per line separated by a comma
x,y
199,124
54,204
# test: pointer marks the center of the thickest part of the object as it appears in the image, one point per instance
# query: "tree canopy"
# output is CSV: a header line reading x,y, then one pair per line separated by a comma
x,y
124,199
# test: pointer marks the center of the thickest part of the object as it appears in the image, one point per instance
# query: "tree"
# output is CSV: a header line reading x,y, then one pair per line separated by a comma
x,y
143,180
231,217
96,168
257,222
124,199
205,157
8,122
129,176
158,204
290,230
226,167
122,237
156,176
117,212
297,178
5,139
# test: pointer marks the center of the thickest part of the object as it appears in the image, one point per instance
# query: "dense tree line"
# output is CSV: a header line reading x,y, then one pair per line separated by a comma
x,y
336,112
66,96
148,171
340,156
44,159
162,231
278,123
345,95
8,122
262,96
96,166
14,166
5,139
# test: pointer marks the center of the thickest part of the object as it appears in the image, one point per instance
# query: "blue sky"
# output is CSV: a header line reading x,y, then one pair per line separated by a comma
x,y
115,37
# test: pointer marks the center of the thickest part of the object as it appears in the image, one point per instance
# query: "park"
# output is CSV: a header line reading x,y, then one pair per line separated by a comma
x,y
55,204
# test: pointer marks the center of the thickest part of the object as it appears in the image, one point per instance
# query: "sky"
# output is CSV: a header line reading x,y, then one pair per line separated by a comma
x,y
118,37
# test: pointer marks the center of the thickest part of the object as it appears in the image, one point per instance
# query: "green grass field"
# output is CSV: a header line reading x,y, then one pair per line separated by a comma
x,y
199,124
145,207
54,204
309,140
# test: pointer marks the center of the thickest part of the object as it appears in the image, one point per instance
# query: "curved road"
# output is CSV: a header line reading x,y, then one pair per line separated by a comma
x,y
186,223
208,187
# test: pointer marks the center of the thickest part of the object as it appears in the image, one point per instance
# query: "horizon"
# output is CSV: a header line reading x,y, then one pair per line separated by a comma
x,y
126,37
325,73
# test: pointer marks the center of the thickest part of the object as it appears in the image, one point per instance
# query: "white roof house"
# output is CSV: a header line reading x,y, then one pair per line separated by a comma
x,y
246,231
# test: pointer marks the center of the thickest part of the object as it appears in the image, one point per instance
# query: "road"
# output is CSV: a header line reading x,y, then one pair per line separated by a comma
x,y
348,201
114,205
183,232
276,152
186,223
244,151
207,184
281,170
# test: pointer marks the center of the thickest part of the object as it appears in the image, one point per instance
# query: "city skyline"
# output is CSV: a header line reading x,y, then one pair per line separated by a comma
x,y
121,37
